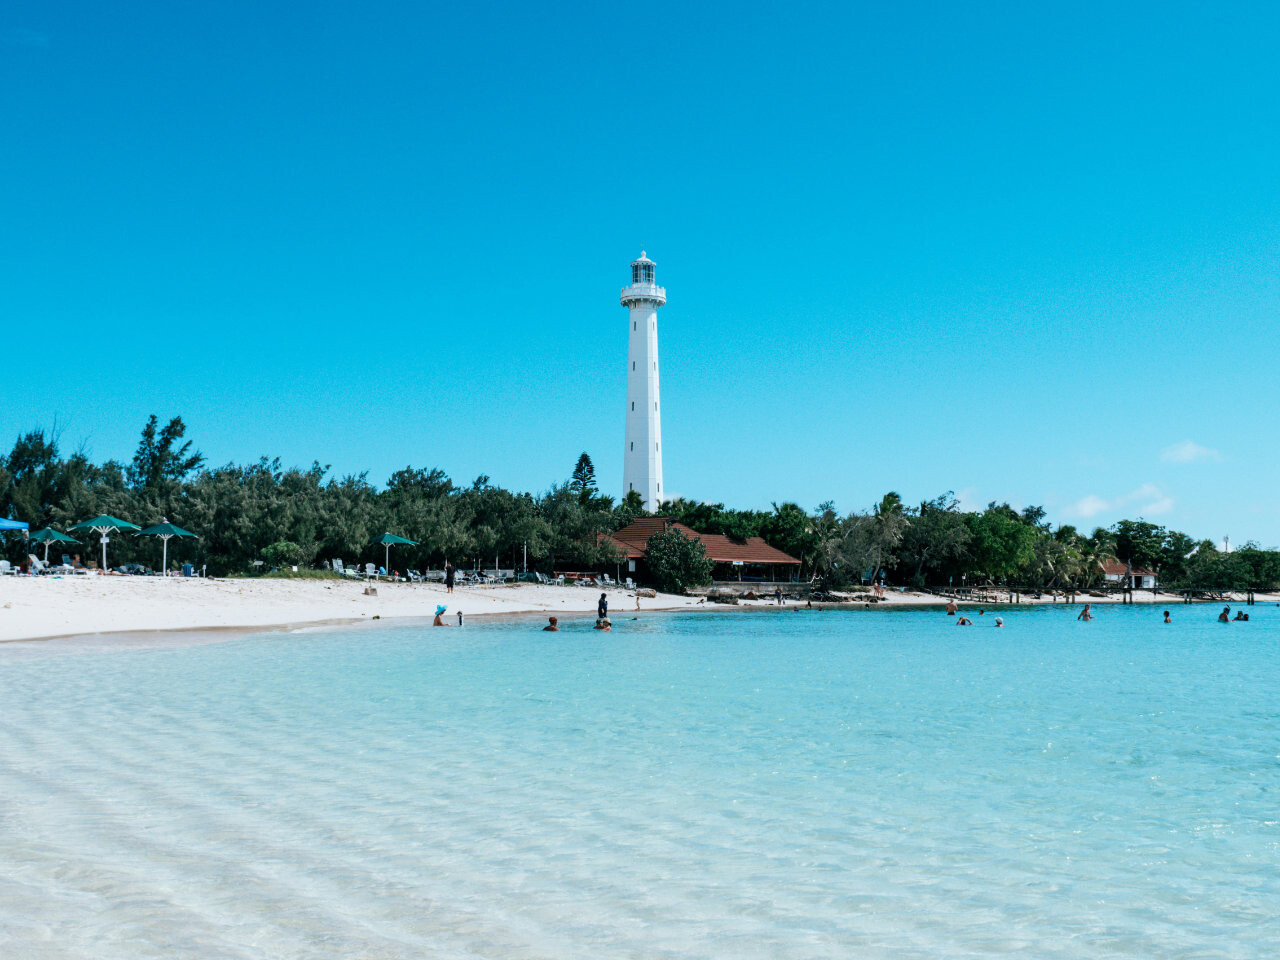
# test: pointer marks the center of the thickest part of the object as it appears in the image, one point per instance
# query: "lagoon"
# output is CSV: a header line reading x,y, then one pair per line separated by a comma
x,y
876,784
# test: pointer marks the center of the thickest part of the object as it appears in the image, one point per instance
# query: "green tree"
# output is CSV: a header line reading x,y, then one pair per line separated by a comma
x,y
583,482
677,562
159,459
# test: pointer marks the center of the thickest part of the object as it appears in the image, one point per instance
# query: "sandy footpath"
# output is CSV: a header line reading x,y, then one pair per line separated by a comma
x,y
41,607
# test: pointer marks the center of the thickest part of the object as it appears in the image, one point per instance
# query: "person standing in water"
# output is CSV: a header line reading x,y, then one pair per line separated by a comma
x,y
1167,618
553,626
1086,613
602,608
951,607
1225,615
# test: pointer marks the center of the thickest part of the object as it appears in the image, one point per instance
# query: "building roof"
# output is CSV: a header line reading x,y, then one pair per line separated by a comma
x,y
634,539
1117,568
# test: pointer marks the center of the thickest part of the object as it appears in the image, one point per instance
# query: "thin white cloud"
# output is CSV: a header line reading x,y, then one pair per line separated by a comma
x,y
1188,451
968,498
1147,500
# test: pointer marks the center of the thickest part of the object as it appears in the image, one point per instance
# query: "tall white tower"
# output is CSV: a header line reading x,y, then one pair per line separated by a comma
x,y
642,457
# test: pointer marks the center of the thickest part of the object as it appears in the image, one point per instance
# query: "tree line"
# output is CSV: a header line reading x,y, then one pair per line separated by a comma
x,y
267,512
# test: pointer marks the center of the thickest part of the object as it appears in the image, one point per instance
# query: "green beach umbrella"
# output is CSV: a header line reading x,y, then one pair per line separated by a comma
x,y
166,531
387,539
48,535
103,525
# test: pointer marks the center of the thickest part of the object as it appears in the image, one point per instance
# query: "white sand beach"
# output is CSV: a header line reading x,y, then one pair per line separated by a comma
x,y
45,607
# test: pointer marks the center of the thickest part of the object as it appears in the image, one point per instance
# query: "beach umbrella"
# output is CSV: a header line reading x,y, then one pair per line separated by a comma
x,y
48,535
166,531
103,525
13,525
387,539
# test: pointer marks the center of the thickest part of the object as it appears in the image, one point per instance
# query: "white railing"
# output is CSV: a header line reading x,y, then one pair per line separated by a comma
x,y
644,291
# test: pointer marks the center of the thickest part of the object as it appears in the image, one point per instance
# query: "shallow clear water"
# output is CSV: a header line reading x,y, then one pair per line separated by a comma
x,y
786,785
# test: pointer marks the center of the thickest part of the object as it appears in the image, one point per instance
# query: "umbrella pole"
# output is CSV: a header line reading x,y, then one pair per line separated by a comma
x,y
164,564
46,551
386,557
102,534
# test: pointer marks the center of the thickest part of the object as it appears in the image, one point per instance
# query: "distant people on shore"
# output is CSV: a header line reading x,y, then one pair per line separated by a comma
x,y
553,626
1225,615
1167,618
448,577
951,607
1086,613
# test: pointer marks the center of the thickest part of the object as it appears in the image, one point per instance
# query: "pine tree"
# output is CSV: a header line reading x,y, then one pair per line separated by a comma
x,y
583,482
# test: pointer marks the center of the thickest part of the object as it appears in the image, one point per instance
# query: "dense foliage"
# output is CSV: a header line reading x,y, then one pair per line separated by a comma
x,y
283,516
677,562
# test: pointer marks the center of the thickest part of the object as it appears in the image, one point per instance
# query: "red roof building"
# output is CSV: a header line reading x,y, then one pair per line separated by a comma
x,y
1117,571
736,559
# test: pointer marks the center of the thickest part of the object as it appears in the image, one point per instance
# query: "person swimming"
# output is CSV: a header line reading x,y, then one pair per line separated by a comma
x,y
1225,615
964,622
1241,615
439,620
553,626
603,624
999,621
1167,618
1086,613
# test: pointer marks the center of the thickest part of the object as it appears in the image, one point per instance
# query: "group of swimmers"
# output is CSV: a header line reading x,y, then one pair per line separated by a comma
x,y
1087,614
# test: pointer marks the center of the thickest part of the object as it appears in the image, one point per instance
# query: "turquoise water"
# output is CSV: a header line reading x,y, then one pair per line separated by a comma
x,y
785,785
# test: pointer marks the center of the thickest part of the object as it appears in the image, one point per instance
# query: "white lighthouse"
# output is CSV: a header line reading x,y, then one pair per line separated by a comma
x,y
642,457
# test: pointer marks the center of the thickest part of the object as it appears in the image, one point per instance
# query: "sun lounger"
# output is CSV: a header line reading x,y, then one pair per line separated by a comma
x,y
7,569
37,565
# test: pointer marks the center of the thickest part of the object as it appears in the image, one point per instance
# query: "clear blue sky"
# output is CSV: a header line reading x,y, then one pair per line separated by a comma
x,y
1021,253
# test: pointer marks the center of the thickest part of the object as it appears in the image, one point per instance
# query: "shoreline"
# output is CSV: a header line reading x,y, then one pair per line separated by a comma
x,y
41,609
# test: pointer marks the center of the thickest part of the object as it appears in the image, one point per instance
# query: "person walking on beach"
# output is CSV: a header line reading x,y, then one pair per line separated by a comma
x,y
448,577
602,608
777,595
1086,613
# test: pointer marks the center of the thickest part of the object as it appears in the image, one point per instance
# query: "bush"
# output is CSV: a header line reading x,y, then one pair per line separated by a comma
x,y
283,553
677,562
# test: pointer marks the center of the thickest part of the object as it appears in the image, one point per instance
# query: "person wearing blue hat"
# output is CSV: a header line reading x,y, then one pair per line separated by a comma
x,y
439,621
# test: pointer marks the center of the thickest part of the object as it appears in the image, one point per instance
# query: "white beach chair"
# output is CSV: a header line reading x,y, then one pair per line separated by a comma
x,y
370,571
37,565
629,583
7,569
